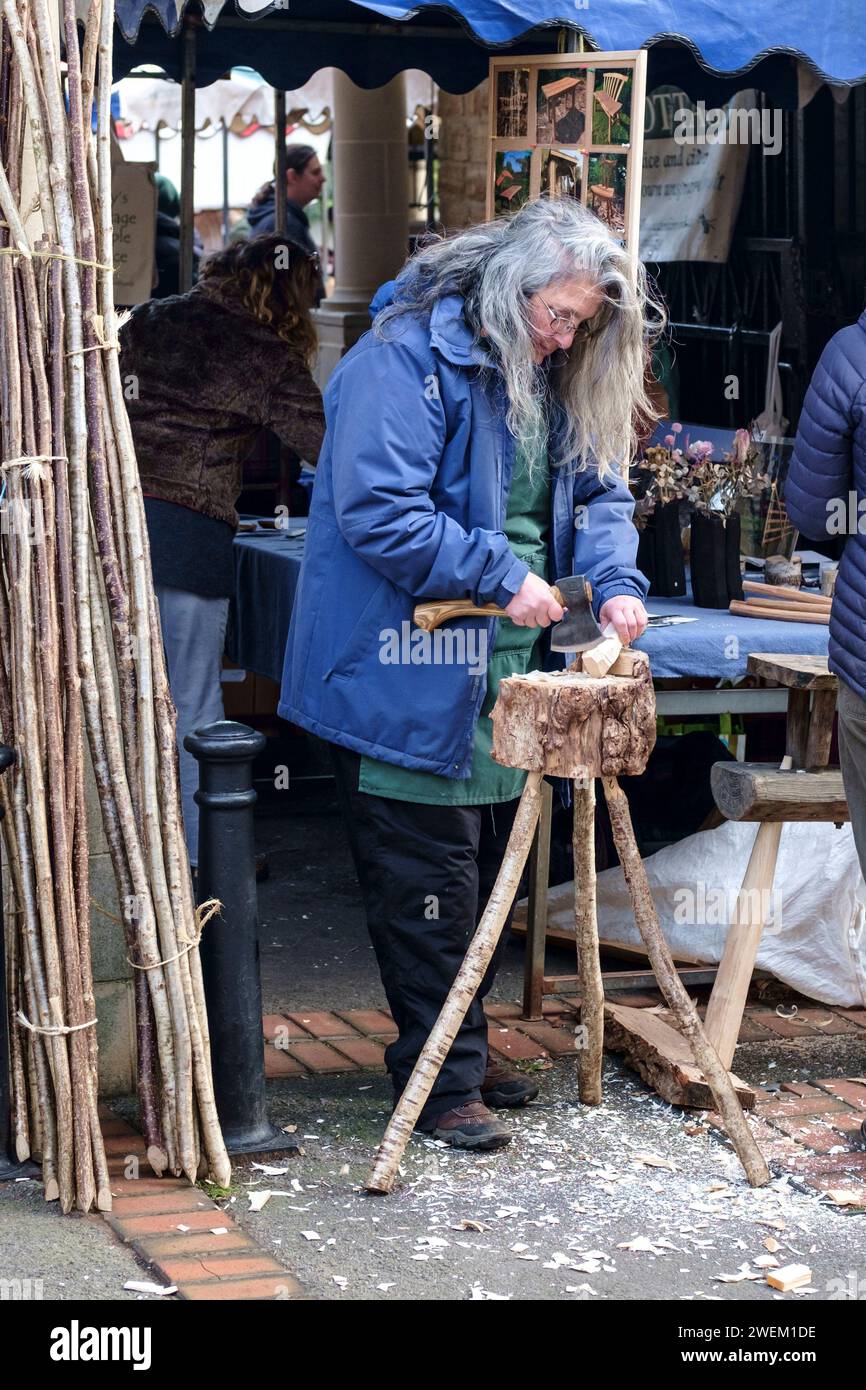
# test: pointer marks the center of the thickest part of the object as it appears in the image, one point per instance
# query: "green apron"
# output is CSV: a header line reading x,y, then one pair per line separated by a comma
x,y
516,651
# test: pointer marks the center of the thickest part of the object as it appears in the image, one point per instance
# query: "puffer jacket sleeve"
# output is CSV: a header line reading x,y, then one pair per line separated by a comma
x,y
820,474
387,433
605,539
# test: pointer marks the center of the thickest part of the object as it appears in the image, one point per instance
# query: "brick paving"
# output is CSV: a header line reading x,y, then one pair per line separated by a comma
x,y
805,1129
171,1225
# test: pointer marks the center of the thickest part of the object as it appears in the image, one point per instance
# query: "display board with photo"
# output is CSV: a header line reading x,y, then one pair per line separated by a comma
x,y
569,126
611,107
606,189
562,174
560,106
512,180
512,103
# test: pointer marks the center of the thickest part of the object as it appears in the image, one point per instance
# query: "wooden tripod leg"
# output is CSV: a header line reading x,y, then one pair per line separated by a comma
x,y
537,910
462,992
672,988
589,1056
728,997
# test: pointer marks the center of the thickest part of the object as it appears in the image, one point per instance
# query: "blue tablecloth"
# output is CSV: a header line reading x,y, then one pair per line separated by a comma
x,y
267,566
716,645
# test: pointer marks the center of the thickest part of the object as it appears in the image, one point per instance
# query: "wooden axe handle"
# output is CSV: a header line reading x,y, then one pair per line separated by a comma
x,y
785,612
431,615
771,592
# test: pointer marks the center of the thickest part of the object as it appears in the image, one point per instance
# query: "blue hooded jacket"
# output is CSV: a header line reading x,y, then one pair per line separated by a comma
x,y
409,503
825,492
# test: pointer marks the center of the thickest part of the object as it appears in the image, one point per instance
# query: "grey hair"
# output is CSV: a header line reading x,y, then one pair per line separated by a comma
x,y
496,267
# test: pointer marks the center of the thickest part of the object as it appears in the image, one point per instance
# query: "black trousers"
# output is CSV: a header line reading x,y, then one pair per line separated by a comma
x,y
425,873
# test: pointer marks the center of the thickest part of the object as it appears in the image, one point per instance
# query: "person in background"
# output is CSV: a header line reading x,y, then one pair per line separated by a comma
x,y
168,240
305,179
475,444
827,482
209,370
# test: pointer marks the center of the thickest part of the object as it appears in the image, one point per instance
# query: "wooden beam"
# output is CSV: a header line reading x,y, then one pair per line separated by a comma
x,y
821,729
663,1058
797,727
761,792
797,672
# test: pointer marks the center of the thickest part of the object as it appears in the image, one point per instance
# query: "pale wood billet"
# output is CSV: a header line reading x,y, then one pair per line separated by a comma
x,y
663,1058
681,1006
462,992
760,792
598,660
589,1055
828,581
568,724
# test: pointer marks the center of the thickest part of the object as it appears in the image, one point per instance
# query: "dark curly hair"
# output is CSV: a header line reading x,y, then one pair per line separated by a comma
x,y
277,281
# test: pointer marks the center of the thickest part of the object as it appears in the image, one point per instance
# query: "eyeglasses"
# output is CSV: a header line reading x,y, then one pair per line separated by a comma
x,y
564,323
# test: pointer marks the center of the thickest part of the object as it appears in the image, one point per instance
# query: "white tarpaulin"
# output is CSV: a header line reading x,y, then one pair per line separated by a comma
x,y
815,940
690,192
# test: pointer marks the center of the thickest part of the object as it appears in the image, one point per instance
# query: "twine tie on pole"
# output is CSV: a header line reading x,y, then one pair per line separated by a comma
x,y
54,1030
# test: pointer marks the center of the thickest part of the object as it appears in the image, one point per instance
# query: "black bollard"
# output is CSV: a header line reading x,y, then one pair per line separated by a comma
x,y
9,1167
230,941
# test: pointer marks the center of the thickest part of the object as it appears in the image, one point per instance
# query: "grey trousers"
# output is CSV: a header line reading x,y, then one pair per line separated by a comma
x,y
852,754
193,635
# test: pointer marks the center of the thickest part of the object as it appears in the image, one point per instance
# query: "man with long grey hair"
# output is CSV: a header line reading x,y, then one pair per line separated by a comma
x,y
475,447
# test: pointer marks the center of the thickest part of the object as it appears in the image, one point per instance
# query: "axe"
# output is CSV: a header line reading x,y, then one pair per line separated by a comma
x,y
578,631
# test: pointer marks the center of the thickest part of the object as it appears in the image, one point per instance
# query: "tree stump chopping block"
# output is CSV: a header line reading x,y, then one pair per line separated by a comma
x,y
571,724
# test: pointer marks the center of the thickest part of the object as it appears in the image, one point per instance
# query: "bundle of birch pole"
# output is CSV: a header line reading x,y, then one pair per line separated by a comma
x,y
81,654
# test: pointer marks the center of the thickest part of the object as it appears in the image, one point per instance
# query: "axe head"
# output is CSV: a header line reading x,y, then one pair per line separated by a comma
x,y
578,630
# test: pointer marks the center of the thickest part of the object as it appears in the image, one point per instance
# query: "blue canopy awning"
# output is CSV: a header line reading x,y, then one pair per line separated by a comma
x,y
452,41
727,36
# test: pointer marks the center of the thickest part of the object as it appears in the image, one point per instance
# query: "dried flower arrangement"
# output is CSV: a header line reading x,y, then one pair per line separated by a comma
x,y
716,488
687,471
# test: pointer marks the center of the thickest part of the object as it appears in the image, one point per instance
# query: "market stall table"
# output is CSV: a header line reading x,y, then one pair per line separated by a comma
x,y
715,645
267,568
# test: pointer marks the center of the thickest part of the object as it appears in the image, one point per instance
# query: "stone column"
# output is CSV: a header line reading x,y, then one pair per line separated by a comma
x,y
371,215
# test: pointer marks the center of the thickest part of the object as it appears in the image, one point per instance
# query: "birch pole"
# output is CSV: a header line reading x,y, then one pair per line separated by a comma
x,y
80,649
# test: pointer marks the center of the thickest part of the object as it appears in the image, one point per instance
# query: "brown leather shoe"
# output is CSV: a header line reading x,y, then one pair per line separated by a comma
x,y
503,1088
471,1126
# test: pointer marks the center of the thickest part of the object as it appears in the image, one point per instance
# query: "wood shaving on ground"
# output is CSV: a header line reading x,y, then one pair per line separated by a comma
x,y
142,1286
